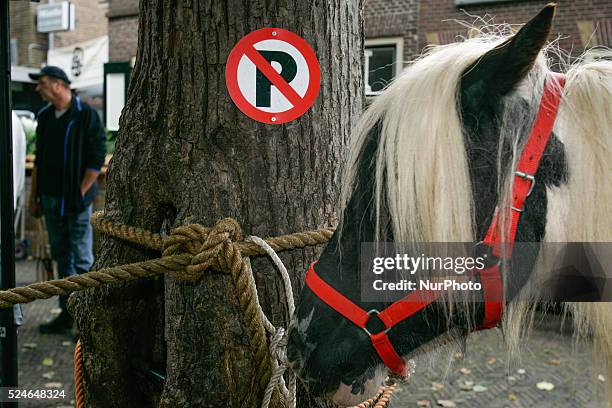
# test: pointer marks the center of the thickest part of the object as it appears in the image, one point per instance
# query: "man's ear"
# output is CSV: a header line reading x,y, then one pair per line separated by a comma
x,y
499,71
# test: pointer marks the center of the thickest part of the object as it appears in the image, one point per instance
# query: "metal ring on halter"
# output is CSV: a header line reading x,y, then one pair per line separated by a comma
x,y
370,313
480,249
529,177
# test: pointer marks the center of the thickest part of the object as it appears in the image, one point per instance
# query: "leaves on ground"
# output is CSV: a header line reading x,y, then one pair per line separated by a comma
x,y
554,361
512,397
49,375
601,378
67,343
511,378
53,385
492,360
521,371
436,386
56,310
466,385
30,345
423,403
480,388
545,386
446,403
47,361
465,371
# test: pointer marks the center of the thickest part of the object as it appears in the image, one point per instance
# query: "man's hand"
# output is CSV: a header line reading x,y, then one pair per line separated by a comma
x,y
89,178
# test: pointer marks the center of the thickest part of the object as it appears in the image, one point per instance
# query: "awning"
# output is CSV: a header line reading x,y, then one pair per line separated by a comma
x,y
83,63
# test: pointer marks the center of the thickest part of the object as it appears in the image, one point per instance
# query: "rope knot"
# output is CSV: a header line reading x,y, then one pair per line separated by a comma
x,y
204,244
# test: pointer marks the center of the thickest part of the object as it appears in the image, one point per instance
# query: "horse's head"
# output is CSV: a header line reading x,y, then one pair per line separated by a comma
x,y
428,165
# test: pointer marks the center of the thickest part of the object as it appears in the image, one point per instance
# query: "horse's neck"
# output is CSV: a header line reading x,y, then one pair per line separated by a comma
x,y
340,259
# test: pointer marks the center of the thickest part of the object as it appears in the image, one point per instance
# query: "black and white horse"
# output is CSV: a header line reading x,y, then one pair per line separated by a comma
x,y
432,158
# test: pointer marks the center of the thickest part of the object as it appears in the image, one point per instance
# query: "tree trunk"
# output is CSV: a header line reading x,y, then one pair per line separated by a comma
x,y
185,154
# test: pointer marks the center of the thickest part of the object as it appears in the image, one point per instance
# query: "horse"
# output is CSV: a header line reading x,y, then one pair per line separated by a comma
x,y
433,159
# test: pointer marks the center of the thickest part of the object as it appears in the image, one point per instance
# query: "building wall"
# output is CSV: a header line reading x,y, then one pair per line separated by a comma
x,y
23,29
123,29
91,22
123,38
579,23
574,22
393,18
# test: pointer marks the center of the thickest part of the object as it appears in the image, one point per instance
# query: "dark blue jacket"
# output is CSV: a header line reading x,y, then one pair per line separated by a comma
x,y
84,148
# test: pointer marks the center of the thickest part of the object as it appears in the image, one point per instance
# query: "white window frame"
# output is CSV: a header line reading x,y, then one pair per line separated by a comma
x,y
398,42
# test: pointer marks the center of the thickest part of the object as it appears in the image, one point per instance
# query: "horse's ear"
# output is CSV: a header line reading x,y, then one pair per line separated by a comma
x,y
498,71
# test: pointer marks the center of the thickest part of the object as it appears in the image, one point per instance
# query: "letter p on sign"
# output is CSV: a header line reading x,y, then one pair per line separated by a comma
x,y
273,75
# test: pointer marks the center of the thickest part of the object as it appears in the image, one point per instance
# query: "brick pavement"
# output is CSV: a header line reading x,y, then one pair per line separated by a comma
x,y
55,351
548,355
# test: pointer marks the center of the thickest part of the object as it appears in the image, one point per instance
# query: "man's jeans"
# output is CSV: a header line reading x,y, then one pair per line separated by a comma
x,y
71,239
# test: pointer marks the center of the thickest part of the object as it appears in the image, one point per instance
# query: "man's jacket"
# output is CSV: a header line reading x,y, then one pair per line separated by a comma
x,y
84,148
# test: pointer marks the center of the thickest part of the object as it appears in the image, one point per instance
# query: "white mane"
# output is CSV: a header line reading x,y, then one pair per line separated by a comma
x,y
421,176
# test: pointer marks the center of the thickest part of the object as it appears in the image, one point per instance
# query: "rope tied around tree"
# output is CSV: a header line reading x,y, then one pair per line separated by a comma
x,y
210,247
194,239
186,253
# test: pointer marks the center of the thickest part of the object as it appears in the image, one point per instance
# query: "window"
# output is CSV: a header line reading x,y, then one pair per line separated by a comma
x,y
383,62
14,52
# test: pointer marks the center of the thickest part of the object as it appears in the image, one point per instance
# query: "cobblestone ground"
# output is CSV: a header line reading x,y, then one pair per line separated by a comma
x,y
485,378
45,360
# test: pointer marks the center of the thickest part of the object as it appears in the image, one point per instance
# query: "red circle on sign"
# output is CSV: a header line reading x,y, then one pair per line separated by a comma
x,y
246,47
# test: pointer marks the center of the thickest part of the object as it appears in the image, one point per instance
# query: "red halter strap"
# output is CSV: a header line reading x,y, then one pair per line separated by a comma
x,y
524,182
492,286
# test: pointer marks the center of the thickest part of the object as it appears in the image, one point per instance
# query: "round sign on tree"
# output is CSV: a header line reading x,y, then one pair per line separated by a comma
x,y
273,75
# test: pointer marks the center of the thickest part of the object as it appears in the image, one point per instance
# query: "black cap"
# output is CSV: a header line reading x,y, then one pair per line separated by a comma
x,y
51,71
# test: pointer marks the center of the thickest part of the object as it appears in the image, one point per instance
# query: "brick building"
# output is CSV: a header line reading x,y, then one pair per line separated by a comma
x,y
91,23
123,30
393,37
30,49
397,30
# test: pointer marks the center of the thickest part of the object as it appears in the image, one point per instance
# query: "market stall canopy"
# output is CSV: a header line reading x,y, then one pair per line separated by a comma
x,y
84,64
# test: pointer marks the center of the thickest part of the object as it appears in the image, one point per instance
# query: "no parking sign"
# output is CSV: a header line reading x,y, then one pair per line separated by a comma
x,y
273,75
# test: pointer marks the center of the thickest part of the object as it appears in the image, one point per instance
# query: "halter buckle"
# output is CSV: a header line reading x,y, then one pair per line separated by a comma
x,y
373,312
526,176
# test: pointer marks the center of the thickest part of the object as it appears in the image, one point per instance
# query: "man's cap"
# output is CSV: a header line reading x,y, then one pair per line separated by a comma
x,y
51,71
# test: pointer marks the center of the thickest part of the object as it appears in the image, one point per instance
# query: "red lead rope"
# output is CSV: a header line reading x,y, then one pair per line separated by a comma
x,y
492,286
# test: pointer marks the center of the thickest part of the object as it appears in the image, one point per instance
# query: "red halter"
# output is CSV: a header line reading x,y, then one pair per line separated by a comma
x,y
492,286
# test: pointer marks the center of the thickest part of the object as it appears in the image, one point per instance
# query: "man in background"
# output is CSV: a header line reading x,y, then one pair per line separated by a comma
x,y
70,151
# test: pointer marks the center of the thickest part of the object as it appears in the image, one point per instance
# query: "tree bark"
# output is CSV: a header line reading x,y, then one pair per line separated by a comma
x,y
186,154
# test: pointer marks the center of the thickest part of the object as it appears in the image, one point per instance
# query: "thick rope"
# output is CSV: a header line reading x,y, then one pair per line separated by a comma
x,y
380,400
278,341
189,237
188,251
78,376
219,248
278,347
194,232
94,279
215,248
